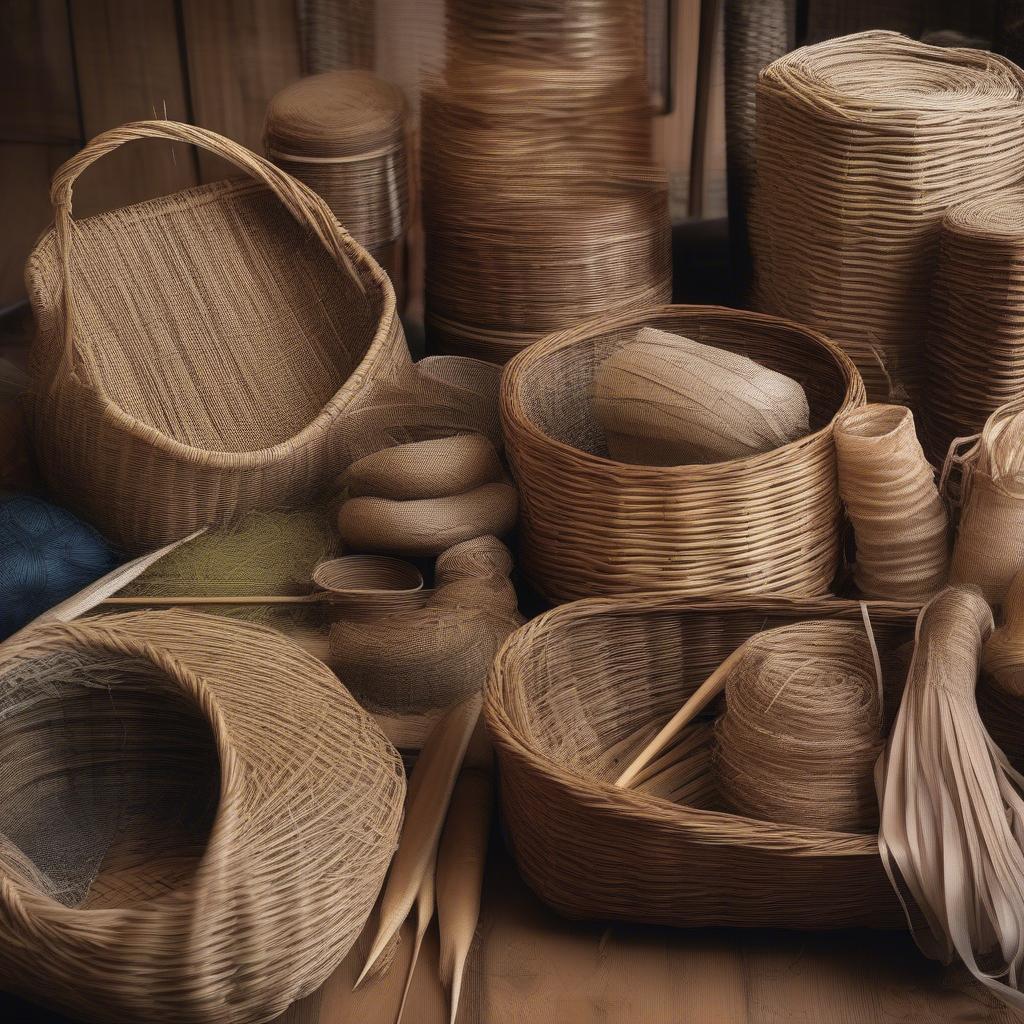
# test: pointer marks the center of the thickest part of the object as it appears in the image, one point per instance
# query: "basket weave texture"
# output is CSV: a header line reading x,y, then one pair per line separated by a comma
x,y
862,144
582,678
196,818
206,353
591,526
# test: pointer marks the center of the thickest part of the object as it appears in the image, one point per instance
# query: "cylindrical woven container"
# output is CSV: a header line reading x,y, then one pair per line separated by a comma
x,y
542,204
574,684
180,795
158,326
975,352
343,133
862,144
589,526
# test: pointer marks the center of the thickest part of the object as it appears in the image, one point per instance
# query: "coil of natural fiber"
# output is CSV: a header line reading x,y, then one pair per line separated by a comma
x,y
975,350
801,730
433,656
862,144
989,548
179,789
541,200
370,586
343,133
664,400
889,491
952,814
589,526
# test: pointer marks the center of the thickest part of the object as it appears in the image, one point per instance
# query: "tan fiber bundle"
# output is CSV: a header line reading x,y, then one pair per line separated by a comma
x,y
205,354
542,203
801,730
424,497
952,814
989,548
975,351
889,491
179,793
433,656
862,144
767,522
664,400
343,133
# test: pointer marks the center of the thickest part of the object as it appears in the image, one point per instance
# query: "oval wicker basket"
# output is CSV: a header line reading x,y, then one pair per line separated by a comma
x,y
590,526
202,354
195,819
573,683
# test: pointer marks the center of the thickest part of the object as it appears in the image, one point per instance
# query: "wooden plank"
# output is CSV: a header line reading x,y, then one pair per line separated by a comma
x,y
37,74
130,68
240,52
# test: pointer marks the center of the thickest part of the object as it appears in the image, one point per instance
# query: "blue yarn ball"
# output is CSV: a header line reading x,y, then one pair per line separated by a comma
x,y
46,555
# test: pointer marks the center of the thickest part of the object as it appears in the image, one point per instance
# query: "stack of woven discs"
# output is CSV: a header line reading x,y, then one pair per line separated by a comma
x,y
343,133
542,204
976,343
862,144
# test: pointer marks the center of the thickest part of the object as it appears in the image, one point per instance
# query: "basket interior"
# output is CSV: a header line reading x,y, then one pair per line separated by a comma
x,y
109,779
555,387
213,316
586,688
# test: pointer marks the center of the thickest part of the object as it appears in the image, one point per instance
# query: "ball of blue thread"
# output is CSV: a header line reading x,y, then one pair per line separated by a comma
x,y
46,555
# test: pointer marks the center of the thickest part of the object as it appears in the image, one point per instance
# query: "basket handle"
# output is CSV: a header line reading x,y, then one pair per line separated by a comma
x,y
300,200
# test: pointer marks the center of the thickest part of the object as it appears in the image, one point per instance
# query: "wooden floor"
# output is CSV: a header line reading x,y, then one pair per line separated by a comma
x,y
530,967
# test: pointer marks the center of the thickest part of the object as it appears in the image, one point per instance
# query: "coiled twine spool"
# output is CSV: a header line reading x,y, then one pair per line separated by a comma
x,y
801,729
976,340
343,133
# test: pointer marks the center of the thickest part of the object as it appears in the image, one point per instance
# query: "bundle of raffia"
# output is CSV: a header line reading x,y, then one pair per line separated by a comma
x,y
422,498
889,491
862,144
989,548
664,400
541,200
801,729
976,340
178,790
952,815
434,653
343,133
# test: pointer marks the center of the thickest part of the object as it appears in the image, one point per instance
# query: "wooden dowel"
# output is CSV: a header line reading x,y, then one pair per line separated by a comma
x,y
142,599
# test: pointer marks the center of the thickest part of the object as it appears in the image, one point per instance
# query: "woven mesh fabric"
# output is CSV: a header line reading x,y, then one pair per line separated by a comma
x,y
208,784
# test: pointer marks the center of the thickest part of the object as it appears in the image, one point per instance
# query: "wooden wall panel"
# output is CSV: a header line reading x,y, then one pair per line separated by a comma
x,y
240,52
130,68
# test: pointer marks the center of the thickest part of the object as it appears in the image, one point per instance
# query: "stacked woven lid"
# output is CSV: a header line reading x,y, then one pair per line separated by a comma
x,y
862,144
976,343
343,134
542,204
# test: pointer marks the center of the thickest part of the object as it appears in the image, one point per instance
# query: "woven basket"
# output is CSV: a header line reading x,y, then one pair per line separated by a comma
x,y
202,354
195,819
862,144
590,526
579,679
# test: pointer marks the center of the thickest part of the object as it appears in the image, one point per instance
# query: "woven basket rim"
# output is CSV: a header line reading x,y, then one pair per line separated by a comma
x,y
151,209
712,826
515,418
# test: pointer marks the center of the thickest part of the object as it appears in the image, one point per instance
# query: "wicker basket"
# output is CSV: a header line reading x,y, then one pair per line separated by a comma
x,y
590,526
202,354
195,819
579,679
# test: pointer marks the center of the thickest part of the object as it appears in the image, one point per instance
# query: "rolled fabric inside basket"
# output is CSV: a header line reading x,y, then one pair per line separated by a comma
x,y
989,548
666,400
889,491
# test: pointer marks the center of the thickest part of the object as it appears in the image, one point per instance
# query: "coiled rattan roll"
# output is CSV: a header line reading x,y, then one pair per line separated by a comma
x,y
889,491
343,133
862,144
542,204
976,340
